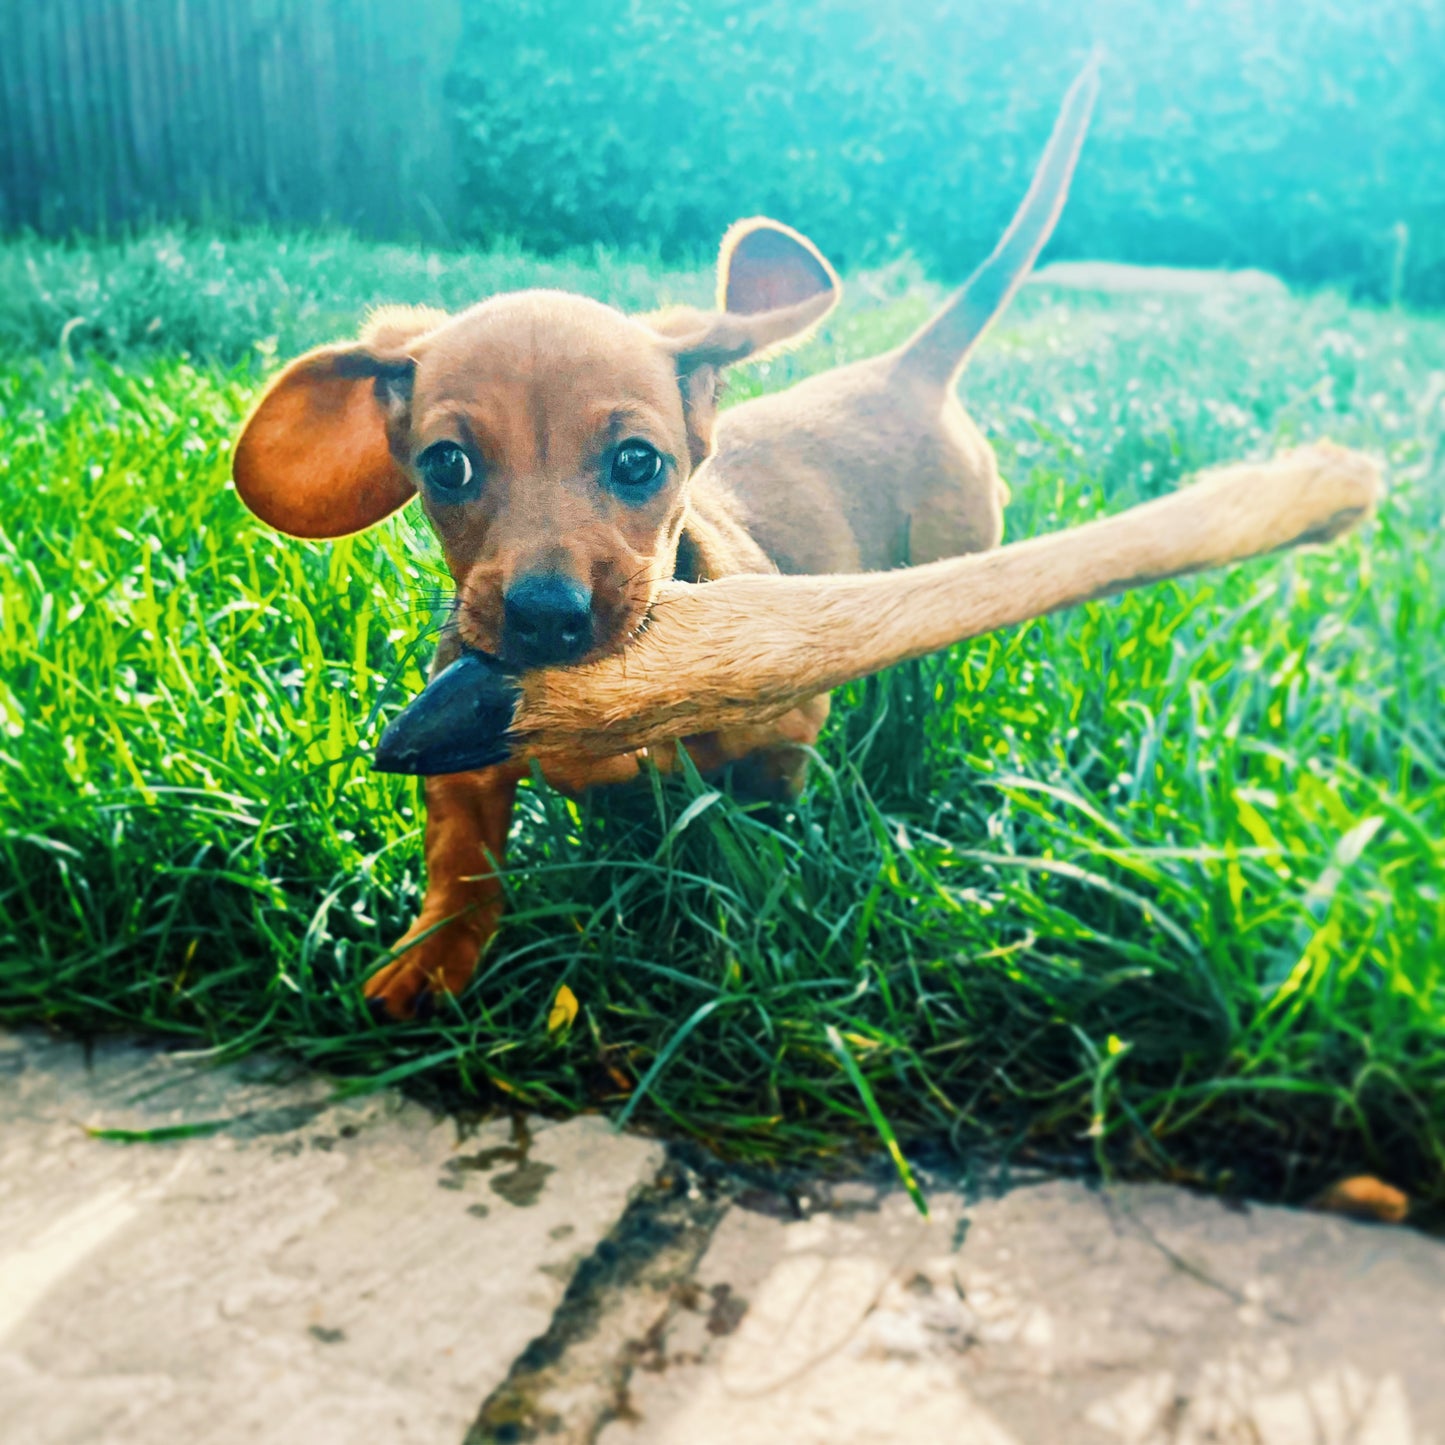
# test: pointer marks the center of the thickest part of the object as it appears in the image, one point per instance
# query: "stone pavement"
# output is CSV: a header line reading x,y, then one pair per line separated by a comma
x,y
280,1265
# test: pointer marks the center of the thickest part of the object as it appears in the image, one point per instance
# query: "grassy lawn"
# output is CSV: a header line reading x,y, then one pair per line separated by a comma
x,y
1158,883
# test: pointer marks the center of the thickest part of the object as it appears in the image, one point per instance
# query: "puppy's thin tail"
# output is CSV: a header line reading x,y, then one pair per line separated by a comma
x,y
937,352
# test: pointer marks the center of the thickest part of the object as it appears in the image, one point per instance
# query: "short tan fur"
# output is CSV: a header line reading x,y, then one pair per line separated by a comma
x,y
747,648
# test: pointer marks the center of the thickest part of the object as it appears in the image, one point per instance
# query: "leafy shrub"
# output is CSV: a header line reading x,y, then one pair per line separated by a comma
x,y
1294,137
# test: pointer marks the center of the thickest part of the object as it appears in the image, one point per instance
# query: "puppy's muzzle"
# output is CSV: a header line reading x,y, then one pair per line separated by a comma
x,y
546,619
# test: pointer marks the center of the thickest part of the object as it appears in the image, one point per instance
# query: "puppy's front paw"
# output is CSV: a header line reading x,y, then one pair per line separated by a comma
x,y
433,958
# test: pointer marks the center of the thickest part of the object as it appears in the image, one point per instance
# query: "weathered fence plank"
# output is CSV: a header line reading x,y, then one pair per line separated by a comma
x,y
116,113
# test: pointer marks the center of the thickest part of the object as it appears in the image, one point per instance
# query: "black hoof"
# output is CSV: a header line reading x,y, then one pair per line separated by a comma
x,y
376,1007
460,722
426,1006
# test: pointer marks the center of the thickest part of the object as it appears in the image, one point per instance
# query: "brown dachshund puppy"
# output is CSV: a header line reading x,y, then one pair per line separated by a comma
x,y
571,461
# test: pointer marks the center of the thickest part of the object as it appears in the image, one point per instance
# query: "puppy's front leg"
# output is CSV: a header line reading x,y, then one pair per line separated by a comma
x,y
467,819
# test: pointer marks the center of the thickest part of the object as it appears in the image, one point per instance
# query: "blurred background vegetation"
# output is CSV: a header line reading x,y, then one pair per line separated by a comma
x,y
1306,138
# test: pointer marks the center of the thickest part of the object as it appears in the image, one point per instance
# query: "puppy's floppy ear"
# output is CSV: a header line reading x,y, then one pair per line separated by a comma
x,y
774,286
764,265
318,457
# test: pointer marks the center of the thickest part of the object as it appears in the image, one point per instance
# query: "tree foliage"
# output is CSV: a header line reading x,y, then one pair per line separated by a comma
x,y
1308,138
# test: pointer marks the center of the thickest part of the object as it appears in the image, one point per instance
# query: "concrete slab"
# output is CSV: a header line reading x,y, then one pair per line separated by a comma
x,y
1132,1316
333,1272
311,1271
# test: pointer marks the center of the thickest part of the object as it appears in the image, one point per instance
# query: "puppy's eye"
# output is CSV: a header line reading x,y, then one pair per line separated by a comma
x,y
445,468
635,464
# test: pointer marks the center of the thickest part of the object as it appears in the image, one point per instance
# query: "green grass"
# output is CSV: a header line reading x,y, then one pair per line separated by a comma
x,y
259,295
1157,884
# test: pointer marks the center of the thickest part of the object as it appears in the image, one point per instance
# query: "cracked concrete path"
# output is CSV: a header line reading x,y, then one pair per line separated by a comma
x,y
310,1270
1139,1315
313,1271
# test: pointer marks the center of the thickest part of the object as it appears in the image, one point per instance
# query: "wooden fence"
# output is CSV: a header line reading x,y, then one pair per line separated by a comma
x,y
115,113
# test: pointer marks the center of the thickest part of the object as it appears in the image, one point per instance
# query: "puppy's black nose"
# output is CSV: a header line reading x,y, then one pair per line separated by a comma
x,y
546,618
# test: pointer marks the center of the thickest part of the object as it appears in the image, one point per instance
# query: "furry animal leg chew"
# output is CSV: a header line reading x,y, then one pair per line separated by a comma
x,y
745,649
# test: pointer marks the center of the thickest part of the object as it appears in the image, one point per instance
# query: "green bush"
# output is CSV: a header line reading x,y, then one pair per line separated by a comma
x,y
1293,137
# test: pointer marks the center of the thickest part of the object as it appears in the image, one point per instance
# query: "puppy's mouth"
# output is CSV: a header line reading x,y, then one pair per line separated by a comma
x,y
607,640
462,720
